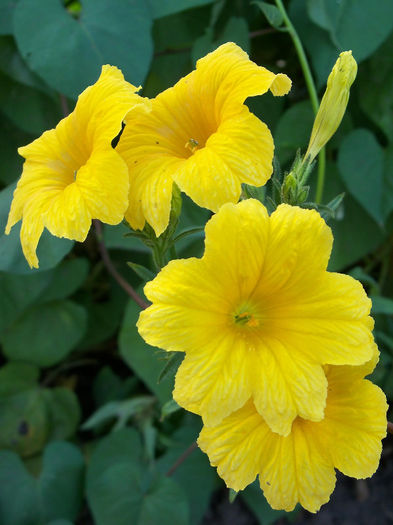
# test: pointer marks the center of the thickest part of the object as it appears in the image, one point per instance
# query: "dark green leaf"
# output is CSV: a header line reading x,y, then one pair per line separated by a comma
x,y
119,486
387,197
171,366
144,273
381,305
293,130
6,14
162,8
29,109
114,238
375,86
255,499
45,334
236,30
360,161
350,243
140,357
17,377
24,422
195,474
10,139
108,386
102,35
63,411
67,278
272,13
170,407
359,25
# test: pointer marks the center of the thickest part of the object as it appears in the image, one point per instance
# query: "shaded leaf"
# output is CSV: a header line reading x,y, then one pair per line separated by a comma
x,y
101,35
162,8
293,130
45,334
360,161
271,12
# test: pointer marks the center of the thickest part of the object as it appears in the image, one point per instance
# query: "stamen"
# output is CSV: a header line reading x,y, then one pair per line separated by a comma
x,y
192,145
247,319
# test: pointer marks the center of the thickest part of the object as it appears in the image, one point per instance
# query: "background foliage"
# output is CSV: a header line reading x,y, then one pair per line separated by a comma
x,y
87,431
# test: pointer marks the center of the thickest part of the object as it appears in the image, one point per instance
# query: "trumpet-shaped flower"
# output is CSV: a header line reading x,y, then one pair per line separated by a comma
x,y
201,136
71,173
258,316
300,467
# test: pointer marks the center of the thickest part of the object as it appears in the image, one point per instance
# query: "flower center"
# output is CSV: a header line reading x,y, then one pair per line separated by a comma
x,y
246,318
192,145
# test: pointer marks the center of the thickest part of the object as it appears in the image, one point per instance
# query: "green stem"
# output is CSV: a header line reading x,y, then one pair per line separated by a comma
x,y
311,91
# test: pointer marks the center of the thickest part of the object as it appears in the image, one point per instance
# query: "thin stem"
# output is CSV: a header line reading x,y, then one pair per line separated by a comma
x,y
311,91
112,270
182,458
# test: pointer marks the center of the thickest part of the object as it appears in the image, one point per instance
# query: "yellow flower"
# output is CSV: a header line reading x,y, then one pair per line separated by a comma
x,y
300,467
258,316
71,173
334,103
201,136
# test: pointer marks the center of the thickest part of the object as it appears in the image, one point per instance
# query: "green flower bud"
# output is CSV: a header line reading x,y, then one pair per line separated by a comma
x,y
333,104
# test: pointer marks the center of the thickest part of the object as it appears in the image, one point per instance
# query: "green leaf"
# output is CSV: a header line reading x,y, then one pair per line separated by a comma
x,y
255,499
162,8
375,85
360,161
45,334
24,422
272,13
141,357
387,198
350,244
235,30
108,386
11,163
170,407
17,377
102,35
55,495
60,484
359,25
195,474
18,292
67,277
29,109
293,130
6,14
381,305
114,238
119,486
63,411
51,250
174,361
120,410
144,273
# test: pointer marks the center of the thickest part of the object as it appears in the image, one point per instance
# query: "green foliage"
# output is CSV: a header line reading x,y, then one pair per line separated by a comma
x,y
55,495
120,486
69,342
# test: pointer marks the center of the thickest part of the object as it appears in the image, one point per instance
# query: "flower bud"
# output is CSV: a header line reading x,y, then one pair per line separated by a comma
x,y
333,104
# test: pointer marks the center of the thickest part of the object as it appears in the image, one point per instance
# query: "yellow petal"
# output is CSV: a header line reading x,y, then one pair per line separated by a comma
x,y
201,135
236,445
356,419
71,173
215,381
286,385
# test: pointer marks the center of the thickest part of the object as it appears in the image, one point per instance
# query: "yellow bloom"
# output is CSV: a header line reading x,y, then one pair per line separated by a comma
x,y
71,173
201,136
334,103
300,467
258,316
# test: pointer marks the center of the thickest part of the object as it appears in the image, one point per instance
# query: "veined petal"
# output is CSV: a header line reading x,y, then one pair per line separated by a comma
x,y
286,385
179,312
299,247
295,469
236,445
215,381
227,77
236,260
355,418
